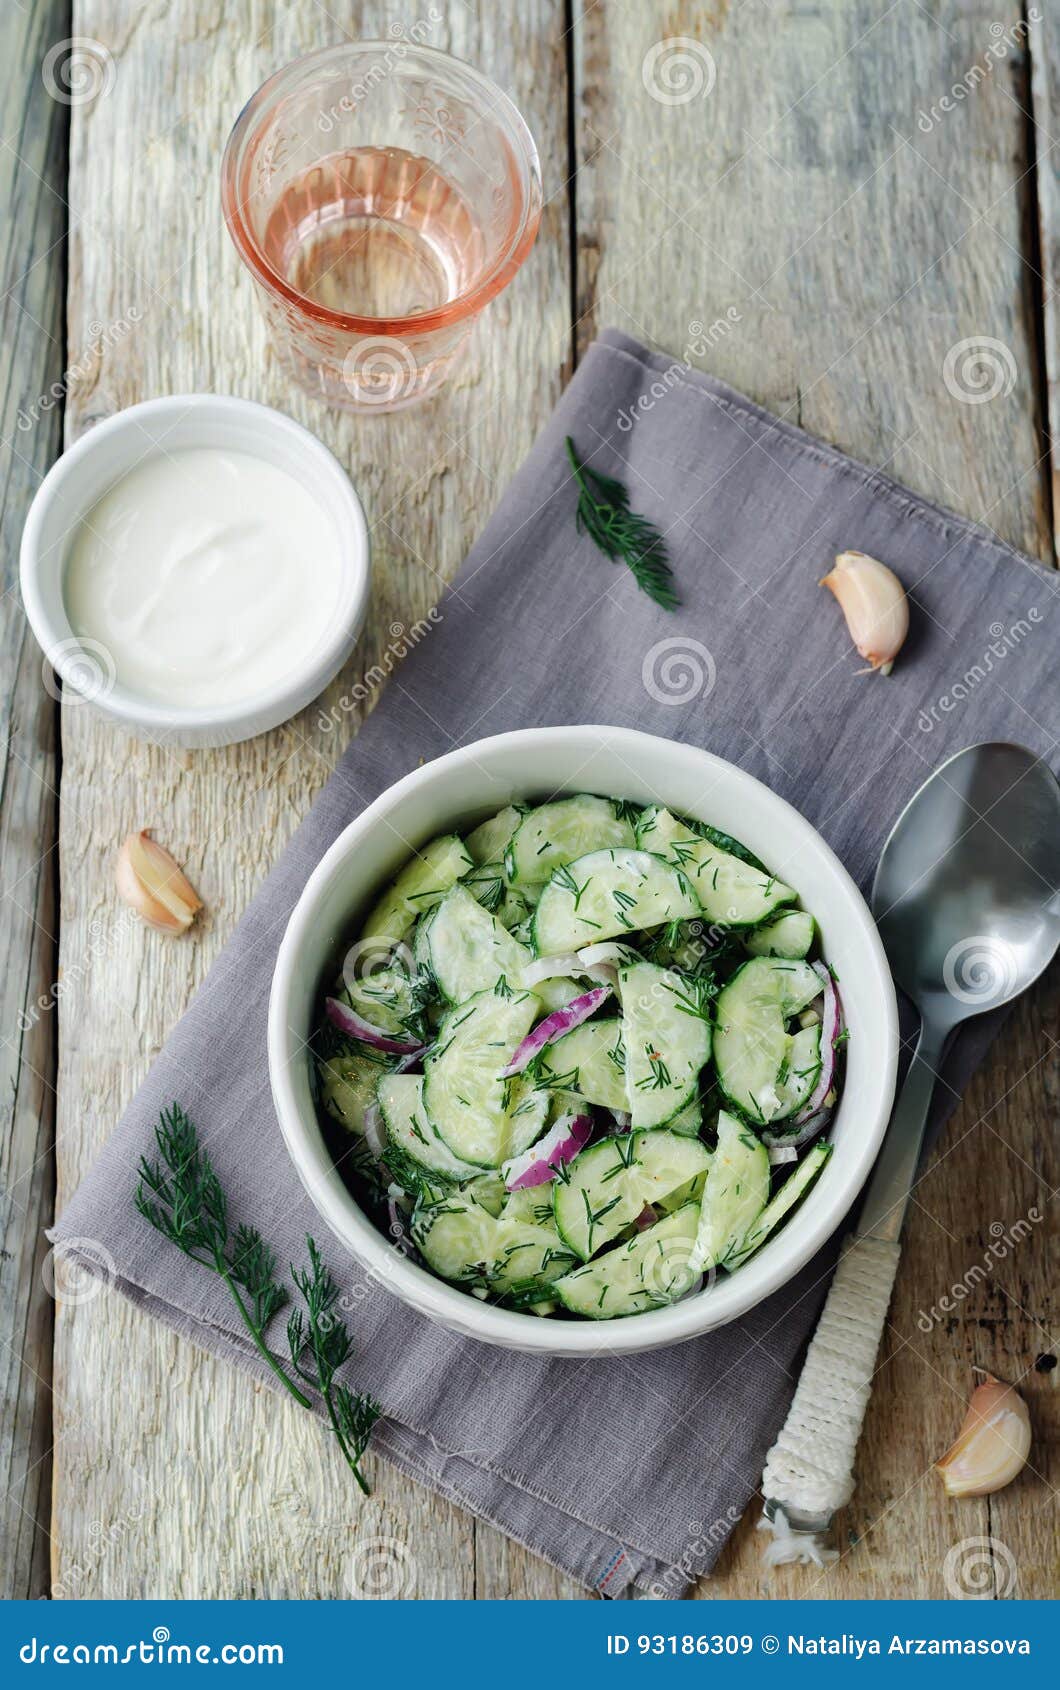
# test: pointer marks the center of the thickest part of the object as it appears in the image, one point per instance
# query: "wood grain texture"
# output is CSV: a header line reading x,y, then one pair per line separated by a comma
x,y
195,1484
887,229
1044,129
875,247
32,184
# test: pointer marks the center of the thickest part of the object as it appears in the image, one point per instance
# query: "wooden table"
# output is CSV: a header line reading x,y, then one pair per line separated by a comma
x,y
862,218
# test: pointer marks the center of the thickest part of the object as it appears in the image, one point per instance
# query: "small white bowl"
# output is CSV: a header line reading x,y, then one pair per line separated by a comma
x,y
453,794
93,465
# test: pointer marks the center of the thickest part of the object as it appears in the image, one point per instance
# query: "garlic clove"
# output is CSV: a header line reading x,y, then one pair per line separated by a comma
x,y
155,886
875,605
993,1444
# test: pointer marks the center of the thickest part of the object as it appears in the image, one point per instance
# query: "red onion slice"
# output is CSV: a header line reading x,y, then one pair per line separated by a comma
x,y
560,1144
831,1027
597,962
420,1054
608,953
623,1120
374,1136
356,1027
779,1153
798,1134
554,1026
549,968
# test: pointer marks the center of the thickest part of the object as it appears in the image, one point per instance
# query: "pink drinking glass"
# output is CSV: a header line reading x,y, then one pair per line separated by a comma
x,y
380,194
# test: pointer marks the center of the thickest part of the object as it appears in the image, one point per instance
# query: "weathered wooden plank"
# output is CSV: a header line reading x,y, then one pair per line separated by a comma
x,y
221,1489
1044,118
32,184
814,170
818,189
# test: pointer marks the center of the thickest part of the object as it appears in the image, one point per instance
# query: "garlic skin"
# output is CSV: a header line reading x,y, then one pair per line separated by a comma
x,y
993,1444
875,605
154,885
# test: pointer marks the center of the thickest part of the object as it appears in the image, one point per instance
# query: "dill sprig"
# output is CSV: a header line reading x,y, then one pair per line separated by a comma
x,y
622,534
183,1199
321,1336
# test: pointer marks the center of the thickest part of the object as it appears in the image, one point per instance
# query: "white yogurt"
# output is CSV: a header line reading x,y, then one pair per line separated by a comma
x,y
207,575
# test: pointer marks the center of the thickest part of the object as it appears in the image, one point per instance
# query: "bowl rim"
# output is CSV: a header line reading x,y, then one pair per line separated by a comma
x,y
456,1309
321,664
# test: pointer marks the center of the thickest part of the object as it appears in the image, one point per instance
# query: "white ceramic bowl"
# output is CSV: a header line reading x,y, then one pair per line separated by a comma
x,y
454,793
99,459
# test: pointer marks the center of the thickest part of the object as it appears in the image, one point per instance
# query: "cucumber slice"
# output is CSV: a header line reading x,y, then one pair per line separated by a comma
x,y
782,1204
800,1076
649,1272
482,1118
488,842
533,1205
657,829
736,1192
411,1133
590,1061
606,1187
487,884
488,1191
608,894
517,911
751,1041
557,833
469,950
732,891
348,1084
384,998
462,1241
667,1040
656,825
690,1192
789,935
421,884
688,1120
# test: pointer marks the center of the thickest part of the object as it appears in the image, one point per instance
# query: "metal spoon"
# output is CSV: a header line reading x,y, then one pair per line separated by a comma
x,y
967,900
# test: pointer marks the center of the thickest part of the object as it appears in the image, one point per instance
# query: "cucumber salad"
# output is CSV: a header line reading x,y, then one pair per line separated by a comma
x,y
585,1055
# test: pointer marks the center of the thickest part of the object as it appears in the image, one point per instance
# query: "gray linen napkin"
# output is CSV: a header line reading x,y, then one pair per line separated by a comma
x,y
626,1472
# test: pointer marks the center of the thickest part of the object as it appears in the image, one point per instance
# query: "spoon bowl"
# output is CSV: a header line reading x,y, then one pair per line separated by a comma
x,y
965,895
